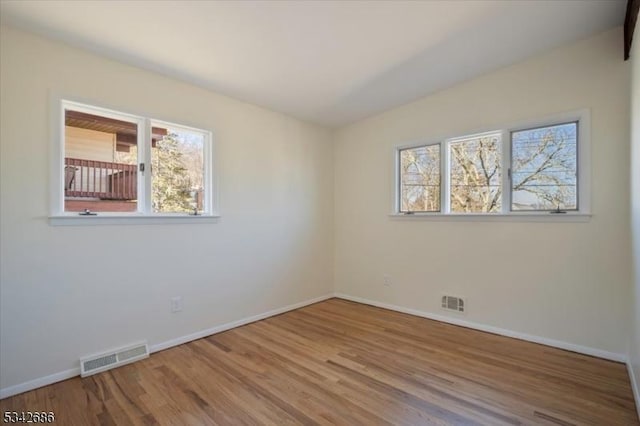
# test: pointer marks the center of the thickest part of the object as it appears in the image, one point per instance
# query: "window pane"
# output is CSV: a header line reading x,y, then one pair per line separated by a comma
x,y
475,174
545,168
100,163
177,164
420,179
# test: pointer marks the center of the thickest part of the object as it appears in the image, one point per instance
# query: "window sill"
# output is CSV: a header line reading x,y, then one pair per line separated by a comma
x,y
132,219
495,217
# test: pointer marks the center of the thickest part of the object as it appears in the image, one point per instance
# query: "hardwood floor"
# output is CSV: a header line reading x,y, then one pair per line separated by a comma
x,y
339,362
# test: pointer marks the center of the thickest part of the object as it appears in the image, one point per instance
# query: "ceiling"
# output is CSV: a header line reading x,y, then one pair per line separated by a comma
x,y
328,62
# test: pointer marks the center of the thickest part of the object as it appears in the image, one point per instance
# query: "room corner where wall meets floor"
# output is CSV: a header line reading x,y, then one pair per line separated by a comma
x,y
74,372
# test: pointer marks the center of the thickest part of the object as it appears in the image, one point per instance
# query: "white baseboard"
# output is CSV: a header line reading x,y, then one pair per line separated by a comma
x,y
634,387
495,330
228,326
39,382
67,374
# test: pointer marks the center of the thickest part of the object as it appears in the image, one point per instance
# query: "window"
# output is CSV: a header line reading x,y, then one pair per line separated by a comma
x,y
544,168
420,182
474,174
100,161
115,163
177,170
539,168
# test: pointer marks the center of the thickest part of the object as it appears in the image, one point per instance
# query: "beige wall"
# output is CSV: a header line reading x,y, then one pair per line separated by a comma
x,y
634,354
60,300
561,281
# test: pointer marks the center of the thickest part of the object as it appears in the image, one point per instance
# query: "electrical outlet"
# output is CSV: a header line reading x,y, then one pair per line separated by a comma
x,y
176,304
386,280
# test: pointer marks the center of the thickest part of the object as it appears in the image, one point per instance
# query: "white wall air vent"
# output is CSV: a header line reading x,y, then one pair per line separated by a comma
x,y
114,358
452,303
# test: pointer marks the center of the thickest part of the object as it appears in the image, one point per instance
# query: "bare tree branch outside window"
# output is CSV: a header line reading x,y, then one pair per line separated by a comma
x,y
545,168
475,174
420,179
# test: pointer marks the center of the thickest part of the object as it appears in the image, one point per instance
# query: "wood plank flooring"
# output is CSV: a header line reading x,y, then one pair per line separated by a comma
x,y
339,362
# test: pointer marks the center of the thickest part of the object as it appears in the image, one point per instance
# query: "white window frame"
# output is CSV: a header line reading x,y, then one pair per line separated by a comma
x,y
582,117
144,213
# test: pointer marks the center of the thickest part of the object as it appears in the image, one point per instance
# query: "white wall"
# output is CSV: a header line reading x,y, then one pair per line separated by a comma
x,y
634,356
562,281
60,300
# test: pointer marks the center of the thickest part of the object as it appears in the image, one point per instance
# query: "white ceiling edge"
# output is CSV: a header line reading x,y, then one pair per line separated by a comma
x,y
466,55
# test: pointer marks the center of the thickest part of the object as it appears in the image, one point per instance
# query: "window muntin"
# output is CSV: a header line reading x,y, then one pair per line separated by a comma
x,y
544,168
475,174
420,179
127,185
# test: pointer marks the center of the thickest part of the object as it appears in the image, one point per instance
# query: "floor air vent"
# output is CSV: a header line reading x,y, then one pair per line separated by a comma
x,y
114,358
452,303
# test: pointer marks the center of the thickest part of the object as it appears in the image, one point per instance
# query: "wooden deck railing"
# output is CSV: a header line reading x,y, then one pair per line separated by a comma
x,y
100,179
